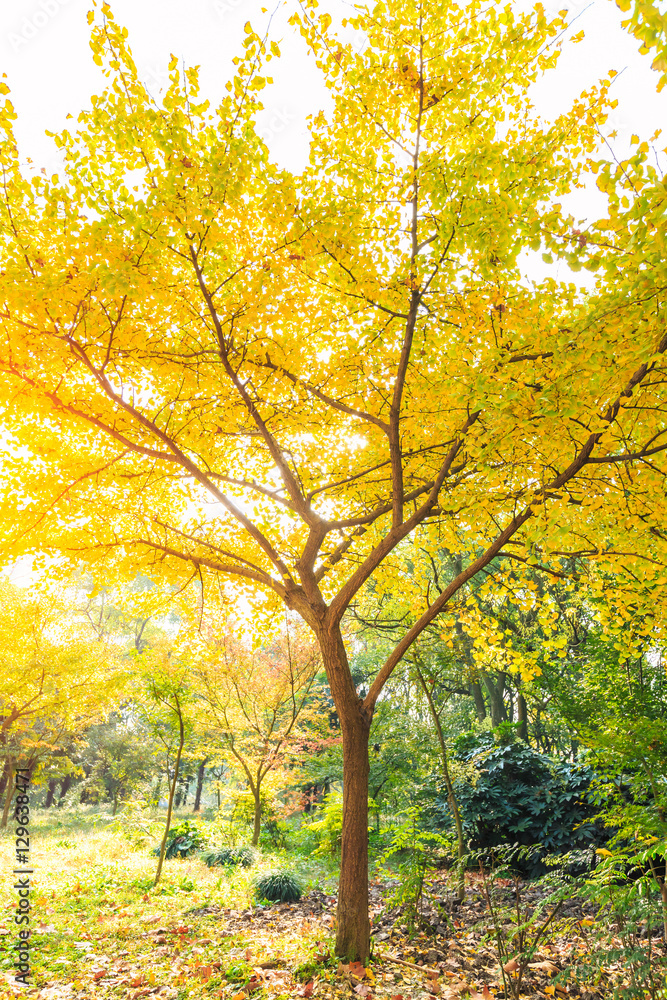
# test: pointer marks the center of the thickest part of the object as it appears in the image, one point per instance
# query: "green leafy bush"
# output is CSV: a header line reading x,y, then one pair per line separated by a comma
x,y
328,830
184,839
278,887
523,797
243,856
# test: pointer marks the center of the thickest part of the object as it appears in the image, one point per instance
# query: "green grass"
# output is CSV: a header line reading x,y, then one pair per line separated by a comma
x,y
93,894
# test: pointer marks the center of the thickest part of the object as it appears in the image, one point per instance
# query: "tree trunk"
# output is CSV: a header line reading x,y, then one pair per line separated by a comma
x,y
50,795
65,786
451,795
172,792
522,716
257,825
352,925
478,697
9,794
5,775
496,691
200,784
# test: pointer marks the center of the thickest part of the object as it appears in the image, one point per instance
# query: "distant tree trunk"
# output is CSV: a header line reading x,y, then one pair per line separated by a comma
x,y
478,698
451,795
172,789
50,795
9,793
65,786
200,784
496,691
522,716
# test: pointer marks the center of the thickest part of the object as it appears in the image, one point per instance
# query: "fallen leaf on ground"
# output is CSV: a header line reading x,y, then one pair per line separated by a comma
x,y
548,967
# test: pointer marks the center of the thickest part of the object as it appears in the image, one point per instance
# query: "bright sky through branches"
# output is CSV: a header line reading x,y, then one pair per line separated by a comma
x,y
44,52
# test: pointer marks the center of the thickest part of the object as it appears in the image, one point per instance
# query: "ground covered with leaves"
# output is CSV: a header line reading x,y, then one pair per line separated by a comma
x,y
100,929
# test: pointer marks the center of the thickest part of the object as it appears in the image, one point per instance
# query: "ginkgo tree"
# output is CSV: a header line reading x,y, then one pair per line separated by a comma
x,y
215,368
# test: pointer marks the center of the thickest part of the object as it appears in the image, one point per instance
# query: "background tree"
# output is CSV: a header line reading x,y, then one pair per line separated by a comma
x,y
280,379
257,701
165,715
54,678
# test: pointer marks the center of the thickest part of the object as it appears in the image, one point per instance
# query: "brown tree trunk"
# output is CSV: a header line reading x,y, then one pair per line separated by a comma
x,y
478,697
522,716
172,791
65,786
5,775
200,784
50,794
352,925
9,794
257,825
496,691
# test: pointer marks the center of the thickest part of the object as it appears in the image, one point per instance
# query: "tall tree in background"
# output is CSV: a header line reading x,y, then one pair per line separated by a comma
x,y
278,379
255,701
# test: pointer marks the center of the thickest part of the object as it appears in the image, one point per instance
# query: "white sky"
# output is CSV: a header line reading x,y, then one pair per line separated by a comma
x,y
44,52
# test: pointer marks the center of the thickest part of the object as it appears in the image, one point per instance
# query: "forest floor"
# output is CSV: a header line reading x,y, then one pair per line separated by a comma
x,y
100,929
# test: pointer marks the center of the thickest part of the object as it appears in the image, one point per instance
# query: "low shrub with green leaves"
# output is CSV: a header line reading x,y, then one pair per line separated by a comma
x,y
278,887
183,840
232,856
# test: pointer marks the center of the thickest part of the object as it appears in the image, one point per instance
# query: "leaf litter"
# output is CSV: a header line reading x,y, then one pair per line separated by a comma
x,y
286,950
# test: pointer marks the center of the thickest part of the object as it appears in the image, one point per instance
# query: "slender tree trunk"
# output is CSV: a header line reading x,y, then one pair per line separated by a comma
x,y
257,825
172,792
522,716
451,795
200,784
6,771
50,795
9,793
352,924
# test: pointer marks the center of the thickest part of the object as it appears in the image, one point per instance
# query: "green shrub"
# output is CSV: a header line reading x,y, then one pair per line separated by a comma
x,y
523,797
243,856
278,887
329,830
182,840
